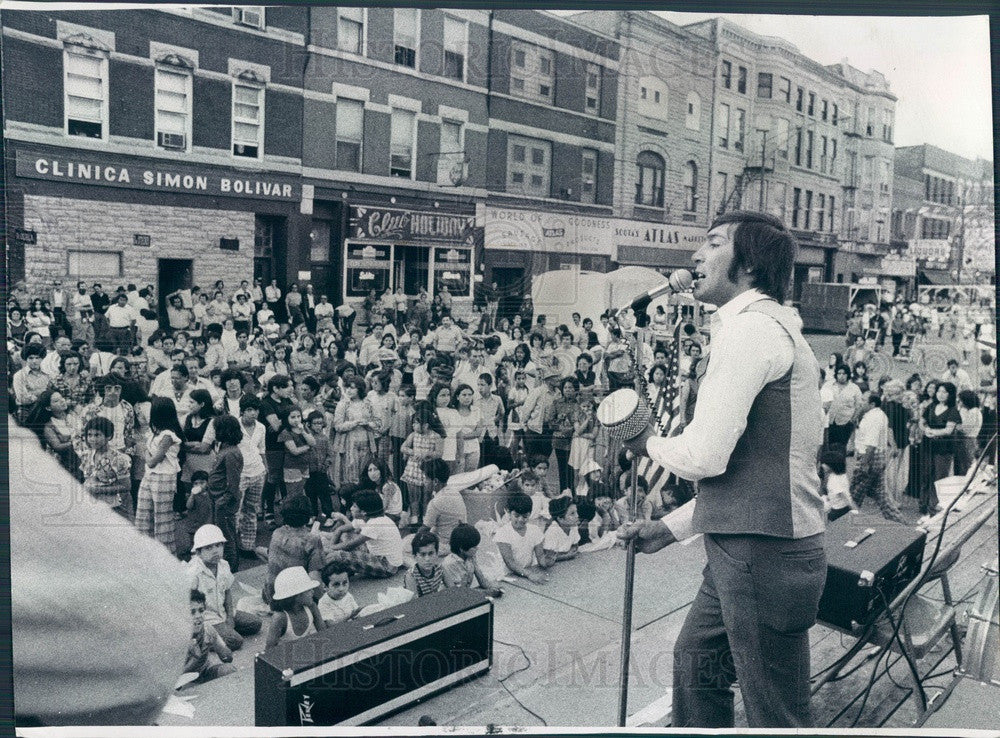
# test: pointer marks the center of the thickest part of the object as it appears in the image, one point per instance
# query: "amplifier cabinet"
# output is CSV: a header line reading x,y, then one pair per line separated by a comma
x,y
361,670
857,577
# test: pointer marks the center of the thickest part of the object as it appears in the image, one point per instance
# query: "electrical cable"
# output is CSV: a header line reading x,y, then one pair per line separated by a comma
x,y
902,646
527,665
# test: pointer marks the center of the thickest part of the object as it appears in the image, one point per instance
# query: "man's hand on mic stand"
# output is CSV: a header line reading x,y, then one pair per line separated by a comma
x,y
638,444
650,535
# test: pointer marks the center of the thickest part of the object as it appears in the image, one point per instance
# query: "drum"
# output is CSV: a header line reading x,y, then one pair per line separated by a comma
x,y
624,413
982,649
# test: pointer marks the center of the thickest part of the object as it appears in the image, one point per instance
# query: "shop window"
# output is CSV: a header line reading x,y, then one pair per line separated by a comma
x,y
649,184
94,263
593,91
588,176
529,164
367,267
531,72
691,186
402,143
406,31
456,34
350,124
692,118
86,92
248,120
351,29
173,108
453,269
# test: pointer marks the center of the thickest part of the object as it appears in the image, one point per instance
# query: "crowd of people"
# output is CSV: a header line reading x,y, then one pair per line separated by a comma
x,y
240,405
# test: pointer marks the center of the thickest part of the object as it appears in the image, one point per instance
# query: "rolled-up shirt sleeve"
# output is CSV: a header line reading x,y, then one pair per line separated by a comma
x,y
750,350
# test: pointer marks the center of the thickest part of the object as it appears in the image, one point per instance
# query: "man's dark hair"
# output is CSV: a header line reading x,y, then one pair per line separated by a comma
x,y
197,596
763,246
519,502
463,537
278,381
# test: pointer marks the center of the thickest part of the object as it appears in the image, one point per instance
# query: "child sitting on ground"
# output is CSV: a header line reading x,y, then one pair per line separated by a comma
x,y
836,486
296,614
338,604
658,503
293,544
447,508
460,567
562,537
426,575
609,516
204,640
210,574
520,544
374,550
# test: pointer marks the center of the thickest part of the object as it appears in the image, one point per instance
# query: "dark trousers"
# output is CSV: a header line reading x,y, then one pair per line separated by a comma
x,y
897,339
224,515
750,622
537,444
839,433
940,468
565,471
318,491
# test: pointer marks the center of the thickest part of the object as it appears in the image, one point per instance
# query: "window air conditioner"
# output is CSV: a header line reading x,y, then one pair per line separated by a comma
x,y
171,140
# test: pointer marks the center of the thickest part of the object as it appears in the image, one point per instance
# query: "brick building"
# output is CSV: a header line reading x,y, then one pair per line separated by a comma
x,y
942,215
153,146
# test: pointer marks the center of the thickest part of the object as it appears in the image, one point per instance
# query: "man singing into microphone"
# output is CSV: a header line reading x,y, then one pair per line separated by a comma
x,y
752,443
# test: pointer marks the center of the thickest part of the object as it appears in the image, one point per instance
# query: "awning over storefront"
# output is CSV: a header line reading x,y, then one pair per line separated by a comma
x,y
654,257
934,276
810,255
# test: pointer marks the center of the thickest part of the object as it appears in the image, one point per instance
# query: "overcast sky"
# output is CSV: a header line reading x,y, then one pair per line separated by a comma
x,y
939,68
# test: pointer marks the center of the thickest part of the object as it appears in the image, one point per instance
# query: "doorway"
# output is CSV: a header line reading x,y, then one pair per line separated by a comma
x,y
411,268
172,275
512,288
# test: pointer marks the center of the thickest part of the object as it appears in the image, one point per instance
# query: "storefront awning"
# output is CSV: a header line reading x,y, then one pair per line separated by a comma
x,y
934,276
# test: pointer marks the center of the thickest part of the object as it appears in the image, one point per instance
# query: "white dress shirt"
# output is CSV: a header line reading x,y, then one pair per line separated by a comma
x,y
749,351
872,432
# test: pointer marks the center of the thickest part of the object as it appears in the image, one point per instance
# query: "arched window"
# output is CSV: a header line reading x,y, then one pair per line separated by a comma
x,y
653,97
649,184
691,186
692,118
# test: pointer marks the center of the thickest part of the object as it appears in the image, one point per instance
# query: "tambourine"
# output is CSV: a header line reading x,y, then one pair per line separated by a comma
x,y
625,414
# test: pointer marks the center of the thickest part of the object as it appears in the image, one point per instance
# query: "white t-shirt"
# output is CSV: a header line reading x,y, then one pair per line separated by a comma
x,y
873,431
337,611
838,491
384,539
523,547
558,540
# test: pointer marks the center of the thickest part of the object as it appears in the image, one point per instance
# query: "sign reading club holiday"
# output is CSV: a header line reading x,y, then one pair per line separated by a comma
x,y
391,224
166,177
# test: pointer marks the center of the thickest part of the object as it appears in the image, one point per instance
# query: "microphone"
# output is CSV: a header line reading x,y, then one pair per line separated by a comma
x,y
679,281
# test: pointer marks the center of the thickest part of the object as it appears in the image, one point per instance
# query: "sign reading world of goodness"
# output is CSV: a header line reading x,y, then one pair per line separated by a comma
x,y
166,177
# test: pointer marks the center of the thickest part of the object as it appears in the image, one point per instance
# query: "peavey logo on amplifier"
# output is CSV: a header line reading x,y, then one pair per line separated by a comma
x,y
305,710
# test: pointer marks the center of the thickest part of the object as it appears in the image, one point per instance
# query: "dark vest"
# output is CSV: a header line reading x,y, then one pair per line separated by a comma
x,y
771,485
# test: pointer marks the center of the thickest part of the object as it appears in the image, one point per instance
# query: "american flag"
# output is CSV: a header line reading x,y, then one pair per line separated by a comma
x,y
665,406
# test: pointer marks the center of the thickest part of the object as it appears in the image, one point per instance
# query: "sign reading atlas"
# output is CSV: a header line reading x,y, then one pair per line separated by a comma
x,y
166,178
390,224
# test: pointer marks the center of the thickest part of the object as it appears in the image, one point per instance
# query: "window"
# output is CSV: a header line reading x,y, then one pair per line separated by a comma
x,y
833,117
402,143
777,192
799,94
833,156
94,263
451,159
350,124
692,118
820,211
531,74
351,30
173,108
741,81
764,81
248,120
830,211
812,104
823,154
870,127
319,248
785,89
884,181
406,30
809,149
807,210
653,103
887,126
727,75
724,125
796,206
741,116
852,169
455,44
588,176
798,146
529,163
691,187
86,86
249,15
649,186
781,136
593,93
825,108
721,184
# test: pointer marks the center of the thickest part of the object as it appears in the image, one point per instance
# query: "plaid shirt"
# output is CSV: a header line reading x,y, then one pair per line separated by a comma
x,y
105,473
